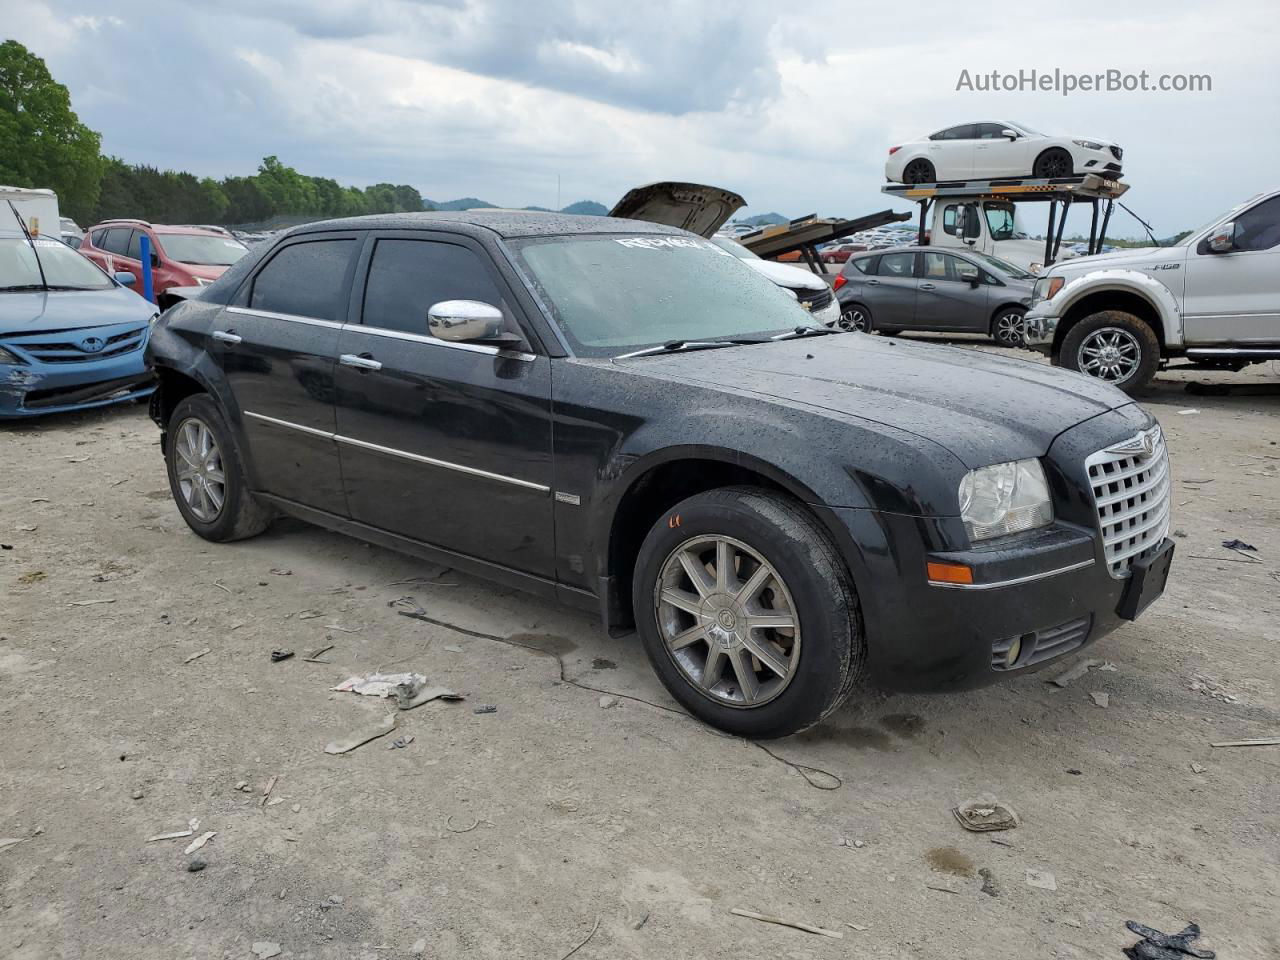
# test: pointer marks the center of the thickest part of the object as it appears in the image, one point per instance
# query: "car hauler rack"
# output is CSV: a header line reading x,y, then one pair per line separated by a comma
x,y
1100,192
805,233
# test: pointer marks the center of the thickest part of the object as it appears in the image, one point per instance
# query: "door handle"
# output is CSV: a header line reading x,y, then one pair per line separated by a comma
x,y
227,336
362,362
927,286
873,283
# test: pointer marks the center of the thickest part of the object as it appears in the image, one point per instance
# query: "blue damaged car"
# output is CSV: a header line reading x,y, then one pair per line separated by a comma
x,y
71,337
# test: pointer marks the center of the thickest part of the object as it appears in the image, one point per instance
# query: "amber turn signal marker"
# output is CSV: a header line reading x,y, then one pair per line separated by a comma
x,y
949,573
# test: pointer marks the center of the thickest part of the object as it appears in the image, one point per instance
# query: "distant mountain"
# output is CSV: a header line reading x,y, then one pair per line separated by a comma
x,y
763,220
589,207
466,203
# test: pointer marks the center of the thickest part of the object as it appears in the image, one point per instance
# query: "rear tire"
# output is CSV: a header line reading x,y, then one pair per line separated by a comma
x,y
1054,162
206,474
855,317
919,170
779,565
1112,346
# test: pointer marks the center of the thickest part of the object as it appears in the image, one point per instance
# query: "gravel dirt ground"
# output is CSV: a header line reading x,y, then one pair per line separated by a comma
x,y
587,803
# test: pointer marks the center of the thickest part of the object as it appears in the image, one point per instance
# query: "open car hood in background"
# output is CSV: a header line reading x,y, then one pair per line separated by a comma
x,y
691,206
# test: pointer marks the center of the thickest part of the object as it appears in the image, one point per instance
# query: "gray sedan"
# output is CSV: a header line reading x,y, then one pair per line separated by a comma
x,y
928,288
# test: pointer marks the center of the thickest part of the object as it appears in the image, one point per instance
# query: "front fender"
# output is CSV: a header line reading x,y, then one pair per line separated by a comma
x,y
1129,281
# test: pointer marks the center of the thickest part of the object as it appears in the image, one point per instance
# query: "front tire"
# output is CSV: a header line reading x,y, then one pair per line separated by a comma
x,y
746,612
206,474
1112,346
1008,326
1054,162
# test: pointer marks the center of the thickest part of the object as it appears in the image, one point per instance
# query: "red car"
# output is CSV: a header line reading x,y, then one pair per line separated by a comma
x,y
841,253
180,256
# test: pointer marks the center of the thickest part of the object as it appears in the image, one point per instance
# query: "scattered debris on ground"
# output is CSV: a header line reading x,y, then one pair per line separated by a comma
x,y
1074,672
986,814
794,924
1256,742
382,684
989,885
265,949
196,865
277,655
1101,699
399,743
199,842
485,708
380,729
1211,687
1041,880
1155,945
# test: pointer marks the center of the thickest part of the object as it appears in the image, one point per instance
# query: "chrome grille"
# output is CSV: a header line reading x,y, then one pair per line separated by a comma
x,y
816,300
69,350
1130,482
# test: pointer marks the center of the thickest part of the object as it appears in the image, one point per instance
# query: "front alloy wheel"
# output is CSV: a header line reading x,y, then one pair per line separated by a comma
x,y
1009,329
1110,353
201,479
728,621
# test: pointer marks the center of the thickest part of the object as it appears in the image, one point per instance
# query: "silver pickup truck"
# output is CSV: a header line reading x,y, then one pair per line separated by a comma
x,y
1212,299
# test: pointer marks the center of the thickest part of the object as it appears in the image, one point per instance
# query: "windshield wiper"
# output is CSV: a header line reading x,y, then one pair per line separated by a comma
x,y
805,332
678,346
24,286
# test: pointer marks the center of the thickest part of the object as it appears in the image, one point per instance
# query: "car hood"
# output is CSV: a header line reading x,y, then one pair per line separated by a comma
x,y
70,309
793,278
1123,258
690,206
982,408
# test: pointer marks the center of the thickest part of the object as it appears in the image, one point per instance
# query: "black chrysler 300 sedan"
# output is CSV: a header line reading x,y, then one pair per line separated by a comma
x,y
621,415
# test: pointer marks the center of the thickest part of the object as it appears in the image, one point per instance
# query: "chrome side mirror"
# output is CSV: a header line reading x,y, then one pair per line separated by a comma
x,y
465,321
1223,240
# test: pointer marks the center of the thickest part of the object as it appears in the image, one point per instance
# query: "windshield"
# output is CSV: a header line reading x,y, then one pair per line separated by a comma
x,y
1001,221
63,267
734,247
614,294
202,250
1004,266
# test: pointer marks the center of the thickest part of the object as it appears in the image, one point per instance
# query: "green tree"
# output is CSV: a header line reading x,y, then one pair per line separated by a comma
x,y
42,141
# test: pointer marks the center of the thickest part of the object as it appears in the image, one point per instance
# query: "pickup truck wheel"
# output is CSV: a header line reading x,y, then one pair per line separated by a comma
x,y
1113,346
206,476
919,170
747,613
1008,326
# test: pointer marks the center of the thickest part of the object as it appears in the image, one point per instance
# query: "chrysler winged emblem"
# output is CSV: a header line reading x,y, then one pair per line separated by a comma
x,y
1143,445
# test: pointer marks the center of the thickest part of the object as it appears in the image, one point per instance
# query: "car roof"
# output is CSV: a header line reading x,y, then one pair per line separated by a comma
x,y
509,224
127,224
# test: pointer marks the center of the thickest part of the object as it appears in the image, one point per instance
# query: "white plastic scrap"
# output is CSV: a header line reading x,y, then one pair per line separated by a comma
x,y
381,684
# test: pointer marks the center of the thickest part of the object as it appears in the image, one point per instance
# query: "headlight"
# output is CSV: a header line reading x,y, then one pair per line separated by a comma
x,y
8,357
1005,498
1046,288
1088,144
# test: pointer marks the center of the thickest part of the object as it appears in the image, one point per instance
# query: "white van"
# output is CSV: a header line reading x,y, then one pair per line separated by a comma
x,y
38,209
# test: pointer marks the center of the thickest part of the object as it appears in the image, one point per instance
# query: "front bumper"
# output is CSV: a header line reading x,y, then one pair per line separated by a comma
x,y
1040,326
35,390
1049,590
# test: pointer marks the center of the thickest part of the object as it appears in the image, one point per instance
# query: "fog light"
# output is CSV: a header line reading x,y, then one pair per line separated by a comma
x,y
1011,655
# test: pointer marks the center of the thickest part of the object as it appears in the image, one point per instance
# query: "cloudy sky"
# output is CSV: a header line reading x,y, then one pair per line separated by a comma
x,y
792,105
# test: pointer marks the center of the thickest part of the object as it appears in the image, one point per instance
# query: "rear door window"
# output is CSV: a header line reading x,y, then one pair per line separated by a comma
x,y
117,240
863,265
307,279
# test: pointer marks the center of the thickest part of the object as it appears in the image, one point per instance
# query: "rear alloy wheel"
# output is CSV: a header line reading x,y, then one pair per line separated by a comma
x,y
1112,346
1009,327
747,613
855,317
206,476
919,170
1054,162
